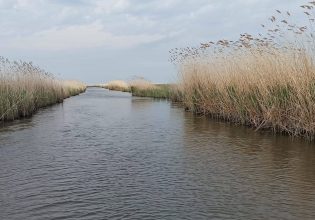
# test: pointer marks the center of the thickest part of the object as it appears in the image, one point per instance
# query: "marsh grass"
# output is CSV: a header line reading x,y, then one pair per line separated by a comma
x,y
266,82
117,85
143,88
162,91
73,87
24,88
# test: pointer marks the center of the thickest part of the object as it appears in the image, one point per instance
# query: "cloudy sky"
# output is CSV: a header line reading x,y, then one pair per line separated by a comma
x,y
100,40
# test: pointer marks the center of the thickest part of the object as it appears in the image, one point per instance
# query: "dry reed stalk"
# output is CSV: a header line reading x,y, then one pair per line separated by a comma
x,y
117,85
142,84
267,82
24,88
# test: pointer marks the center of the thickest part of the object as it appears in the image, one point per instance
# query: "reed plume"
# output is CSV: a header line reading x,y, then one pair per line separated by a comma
x,y
24,88
265,81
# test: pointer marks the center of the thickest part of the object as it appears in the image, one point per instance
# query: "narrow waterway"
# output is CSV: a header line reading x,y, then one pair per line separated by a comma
x,y
107,155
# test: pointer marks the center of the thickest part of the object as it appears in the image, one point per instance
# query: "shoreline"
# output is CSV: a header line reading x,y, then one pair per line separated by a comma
x,y
35,110
198,109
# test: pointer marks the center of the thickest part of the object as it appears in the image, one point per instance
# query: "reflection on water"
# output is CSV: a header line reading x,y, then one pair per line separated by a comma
x,y
107,155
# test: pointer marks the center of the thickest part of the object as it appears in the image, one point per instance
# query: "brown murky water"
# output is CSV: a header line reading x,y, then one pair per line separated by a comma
x,y
106,155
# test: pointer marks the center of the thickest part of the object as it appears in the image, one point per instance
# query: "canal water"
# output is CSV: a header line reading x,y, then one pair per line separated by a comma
x,y
107,155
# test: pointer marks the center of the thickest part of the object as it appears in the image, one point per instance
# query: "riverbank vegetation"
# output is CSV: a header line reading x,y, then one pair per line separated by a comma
x,y
24,88
144,88
72,88
265,81
117,85
162,91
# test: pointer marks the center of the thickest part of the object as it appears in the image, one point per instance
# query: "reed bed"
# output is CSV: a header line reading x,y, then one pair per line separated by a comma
x,y
24,88
157,91
117,85
73,87
144,88
160,91
265,81
140,87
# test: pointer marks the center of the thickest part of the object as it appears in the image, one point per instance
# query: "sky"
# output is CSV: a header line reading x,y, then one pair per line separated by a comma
x,y
96,41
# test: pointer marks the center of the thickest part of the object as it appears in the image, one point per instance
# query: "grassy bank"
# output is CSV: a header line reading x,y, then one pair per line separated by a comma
x,y
117,85
24,88
73,88
160,91
156,91
265,81
144,88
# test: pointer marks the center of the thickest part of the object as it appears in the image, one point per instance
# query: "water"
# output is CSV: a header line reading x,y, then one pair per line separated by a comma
x,y
106,155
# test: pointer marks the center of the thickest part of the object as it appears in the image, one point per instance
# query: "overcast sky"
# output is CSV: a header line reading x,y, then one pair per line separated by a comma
x,y
100,40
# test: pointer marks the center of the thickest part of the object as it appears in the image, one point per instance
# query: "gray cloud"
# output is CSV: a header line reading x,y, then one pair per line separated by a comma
x,y
122,37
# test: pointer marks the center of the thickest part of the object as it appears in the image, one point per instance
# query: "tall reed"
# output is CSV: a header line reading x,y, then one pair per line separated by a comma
x,y
24,88
72,87
265,81
117,85
142,88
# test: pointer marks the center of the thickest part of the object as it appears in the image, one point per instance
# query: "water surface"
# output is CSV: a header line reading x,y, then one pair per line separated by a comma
x,y
107,155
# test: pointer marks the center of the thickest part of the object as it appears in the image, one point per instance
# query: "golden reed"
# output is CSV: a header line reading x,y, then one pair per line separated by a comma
x,y
265,81
24,88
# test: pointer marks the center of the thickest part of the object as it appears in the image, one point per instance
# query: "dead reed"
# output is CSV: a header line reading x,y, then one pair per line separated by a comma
x,y
265,81
72,87
117,85
24,88
144,88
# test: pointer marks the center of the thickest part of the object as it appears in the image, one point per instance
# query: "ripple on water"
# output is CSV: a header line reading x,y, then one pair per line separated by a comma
x,y
107,155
